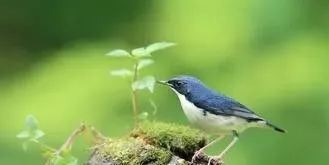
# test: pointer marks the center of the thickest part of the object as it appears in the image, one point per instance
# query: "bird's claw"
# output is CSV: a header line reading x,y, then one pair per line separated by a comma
x,y
196,154
215,160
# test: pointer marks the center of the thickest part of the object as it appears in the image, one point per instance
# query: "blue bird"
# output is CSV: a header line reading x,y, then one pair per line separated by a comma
x,y
213,112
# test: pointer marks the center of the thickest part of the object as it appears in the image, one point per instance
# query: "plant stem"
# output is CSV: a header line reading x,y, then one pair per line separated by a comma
x,y
67,144
70,140
134,95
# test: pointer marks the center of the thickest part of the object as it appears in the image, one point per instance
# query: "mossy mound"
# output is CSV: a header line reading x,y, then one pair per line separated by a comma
x,y
133,151
181,140
153,143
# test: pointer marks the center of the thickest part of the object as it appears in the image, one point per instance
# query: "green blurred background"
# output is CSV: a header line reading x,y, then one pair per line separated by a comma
x,y
270,55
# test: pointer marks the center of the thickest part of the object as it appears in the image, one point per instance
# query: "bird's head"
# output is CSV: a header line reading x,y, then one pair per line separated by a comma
x,y
183,84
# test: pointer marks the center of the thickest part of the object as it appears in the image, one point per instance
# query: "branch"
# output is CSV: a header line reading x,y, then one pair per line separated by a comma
x,y
71,138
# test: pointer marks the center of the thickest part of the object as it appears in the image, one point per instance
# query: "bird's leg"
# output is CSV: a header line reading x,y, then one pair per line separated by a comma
x,y
235,139
197,153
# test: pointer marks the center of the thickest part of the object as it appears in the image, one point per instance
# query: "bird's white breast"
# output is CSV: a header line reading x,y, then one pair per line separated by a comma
x,y
209,122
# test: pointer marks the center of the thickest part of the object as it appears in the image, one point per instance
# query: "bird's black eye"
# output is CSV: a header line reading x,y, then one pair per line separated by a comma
x,y
178,84
175,83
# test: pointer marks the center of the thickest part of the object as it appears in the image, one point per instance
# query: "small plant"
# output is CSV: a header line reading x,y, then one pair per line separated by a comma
x,y
62,156
32,133
141,58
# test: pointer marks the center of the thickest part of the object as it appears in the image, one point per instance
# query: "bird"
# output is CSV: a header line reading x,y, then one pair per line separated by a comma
x,y
213,112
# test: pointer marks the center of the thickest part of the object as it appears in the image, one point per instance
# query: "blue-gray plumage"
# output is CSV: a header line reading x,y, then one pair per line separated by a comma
x,y
214,112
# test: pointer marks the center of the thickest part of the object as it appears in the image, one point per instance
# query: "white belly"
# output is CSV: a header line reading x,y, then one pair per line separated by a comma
x,y
208,122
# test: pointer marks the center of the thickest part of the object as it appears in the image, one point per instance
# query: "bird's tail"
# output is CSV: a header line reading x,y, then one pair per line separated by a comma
x,y
275,127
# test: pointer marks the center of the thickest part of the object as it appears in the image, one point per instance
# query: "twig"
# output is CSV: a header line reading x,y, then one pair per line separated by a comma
x,y
70,140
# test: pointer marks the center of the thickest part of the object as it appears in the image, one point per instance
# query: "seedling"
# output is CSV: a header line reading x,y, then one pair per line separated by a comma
x,y
142,57
62,156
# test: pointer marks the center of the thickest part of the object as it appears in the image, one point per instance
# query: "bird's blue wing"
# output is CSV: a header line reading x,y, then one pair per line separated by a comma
x,y
222,105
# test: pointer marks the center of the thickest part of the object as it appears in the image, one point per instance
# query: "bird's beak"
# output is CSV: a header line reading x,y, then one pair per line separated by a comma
x,y
163,82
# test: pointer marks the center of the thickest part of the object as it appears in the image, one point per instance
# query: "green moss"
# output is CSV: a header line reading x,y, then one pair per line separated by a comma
x,y
183,141
152,143
132,151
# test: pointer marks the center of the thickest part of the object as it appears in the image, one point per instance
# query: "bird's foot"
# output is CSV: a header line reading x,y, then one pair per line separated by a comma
x,y
196,155
215,160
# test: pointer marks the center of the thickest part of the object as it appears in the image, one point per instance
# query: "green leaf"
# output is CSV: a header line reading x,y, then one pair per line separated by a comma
x,y
144,62
38,134
118,53
57,160
47,151
31,123
66,151
145,83
140,52
143,115
72,160
158,46
122,72
63,160
24,134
